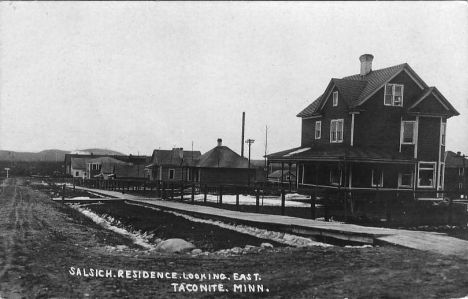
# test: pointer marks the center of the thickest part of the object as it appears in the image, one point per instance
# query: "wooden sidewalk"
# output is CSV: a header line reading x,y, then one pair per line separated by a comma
x,y
420,240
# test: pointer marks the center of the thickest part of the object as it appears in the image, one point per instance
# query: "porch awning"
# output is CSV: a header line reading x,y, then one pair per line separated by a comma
x,y
335,153
151,166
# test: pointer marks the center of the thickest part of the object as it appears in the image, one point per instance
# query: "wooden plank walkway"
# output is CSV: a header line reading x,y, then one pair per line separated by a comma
x,y
420,240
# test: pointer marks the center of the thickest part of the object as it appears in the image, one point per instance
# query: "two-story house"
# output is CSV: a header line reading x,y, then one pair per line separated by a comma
x,y
377,129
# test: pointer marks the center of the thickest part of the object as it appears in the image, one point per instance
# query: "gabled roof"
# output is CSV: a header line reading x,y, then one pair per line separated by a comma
x,y
176,156
434,91
376,79
356,89
222,157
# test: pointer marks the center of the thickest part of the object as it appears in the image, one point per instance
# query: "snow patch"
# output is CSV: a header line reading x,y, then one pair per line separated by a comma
x,y
297,151
249,200
108,222
280,237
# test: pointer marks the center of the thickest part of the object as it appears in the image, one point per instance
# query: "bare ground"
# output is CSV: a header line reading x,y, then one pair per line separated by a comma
x,y
41,241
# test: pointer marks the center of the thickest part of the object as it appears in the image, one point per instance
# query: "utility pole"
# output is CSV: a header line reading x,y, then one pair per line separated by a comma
x,y
249,142
243,131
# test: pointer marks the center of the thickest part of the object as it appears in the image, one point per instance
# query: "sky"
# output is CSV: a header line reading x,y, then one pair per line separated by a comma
x,y
139,76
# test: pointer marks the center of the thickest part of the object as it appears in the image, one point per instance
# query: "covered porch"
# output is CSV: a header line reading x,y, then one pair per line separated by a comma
x,y
348,167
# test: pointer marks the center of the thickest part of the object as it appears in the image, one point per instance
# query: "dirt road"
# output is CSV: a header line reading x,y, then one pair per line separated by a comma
x,y
48,250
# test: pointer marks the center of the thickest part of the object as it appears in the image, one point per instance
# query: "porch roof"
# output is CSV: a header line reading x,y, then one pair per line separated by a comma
x,y
335,153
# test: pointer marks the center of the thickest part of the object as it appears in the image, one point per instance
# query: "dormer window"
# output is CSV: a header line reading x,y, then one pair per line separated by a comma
x,y
335,98
393,95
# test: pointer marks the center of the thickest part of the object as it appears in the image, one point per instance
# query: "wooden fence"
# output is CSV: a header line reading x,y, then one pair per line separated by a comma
x,y
388,207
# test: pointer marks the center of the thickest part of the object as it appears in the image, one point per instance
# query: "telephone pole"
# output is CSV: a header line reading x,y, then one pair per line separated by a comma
x,y
249,142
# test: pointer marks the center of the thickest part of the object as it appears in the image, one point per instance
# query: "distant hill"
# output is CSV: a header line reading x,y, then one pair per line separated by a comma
x,y
49,155
97,151
46,155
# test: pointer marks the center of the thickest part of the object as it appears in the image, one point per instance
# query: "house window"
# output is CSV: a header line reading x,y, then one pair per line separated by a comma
x,y
407,132
77,173
188,174
377,177
171,174
443,130
460,171
393,95
318,129
426,175
336,130
335,98
335,177
405,178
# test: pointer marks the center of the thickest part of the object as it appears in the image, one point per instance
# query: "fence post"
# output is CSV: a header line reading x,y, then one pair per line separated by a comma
x,y
450,207
342,195
205,192
172,191
63,193
257,201
283,201
312,206
325,205
162,189
74,186
193,193
158,189
237,200
182,192
220,194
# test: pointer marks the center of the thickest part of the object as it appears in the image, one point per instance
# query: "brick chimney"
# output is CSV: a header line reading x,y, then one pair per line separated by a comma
x,y
366,64
220,142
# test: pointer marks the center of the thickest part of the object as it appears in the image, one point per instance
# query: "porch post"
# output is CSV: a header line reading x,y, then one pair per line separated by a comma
x,y
297,175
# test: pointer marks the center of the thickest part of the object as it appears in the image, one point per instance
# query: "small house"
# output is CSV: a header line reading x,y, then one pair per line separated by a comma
x,y
221,165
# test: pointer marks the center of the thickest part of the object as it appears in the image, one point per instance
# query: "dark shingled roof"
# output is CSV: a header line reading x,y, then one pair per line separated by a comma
x,y
222,156
356,88
79,163
310,110
175,156
375,79
337,153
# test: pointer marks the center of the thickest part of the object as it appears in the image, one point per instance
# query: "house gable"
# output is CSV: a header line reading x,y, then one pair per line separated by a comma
x,y
433,102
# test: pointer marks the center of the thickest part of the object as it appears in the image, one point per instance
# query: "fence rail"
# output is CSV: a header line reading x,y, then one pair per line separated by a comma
x,y
357,205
